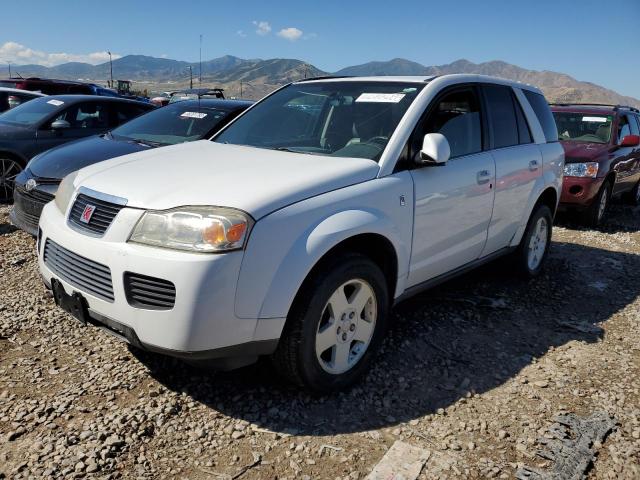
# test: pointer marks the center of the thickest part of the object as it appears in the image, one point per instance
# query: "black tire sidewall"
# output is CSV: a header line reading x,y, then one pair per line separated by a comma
x,y
592,213
324,285
523,251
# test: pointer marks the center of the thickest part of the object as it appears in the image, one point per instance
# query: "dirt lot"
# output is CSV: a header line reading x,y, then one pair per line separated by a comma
x,y
474,372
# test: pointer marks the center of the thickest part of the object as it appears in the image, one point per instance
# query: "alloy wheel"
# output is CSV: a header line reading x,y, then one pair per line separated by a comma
x,y
602,206
9,170
346,326
538,243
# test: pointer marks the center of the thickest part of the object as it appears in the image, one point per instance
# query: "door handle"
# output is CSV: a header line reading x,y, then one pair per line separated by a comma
x,y
484,176
533,165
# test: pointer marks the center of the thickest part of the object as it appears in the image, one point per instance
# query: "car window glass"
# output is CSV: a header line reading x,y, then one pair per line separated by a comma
x,y
91,115
501,115
125,112
633,125
524,134
623,128
543,112
457,117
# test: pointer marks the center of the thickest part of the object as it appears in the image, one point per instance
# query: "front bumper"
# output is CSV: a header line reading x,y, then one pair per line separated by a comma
x,y
202,323
27,208
579,191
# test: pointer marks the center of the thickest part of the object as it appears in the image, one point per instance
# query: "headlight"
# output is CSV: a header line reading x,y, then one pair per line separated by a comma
x,y
195,229
589,169
65,192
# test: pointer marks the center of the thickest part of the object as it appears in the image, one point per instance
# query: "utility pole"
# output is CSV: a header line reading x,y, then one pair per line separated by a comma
x,y
111,69
201,60
9,69
190,77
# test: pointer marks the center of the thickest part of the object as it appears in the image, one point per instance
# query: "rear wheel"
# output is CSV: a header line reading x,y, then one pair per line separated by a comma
x,y
534,246
9,170
336,325
596,212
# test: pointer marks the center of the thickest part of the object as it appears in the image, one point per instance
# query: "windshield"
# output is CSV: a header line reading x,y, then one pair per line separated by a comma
x,y
32,112
583,127
341,119
172,124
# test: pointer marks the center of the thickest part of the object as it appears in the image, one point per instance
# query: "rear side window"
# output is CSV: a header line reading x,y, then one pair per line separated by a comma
x,y
502,116
524,134
543,112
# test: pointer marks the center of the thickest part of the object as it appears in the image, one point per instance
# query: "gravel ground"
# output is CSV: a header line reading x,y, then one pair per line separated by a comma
x,y
474,371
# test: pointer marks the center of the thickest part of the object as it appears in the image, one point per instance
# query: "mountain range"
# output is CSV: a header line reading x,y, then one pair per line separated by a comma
x,y
255,77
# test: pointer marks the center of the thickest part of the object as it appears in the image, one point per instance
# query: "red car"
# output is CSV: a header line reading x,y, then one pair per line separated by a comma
x,y
602,157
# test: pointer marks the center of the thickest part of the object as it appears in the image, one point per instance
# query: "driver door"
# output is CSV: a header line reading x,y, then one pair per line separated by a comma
x,y
454,201
85,119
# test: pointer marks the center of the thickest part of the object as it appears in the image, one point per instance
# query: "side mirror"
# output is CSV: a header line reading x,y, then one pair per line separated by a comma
x,y
630,141
435,149
60,125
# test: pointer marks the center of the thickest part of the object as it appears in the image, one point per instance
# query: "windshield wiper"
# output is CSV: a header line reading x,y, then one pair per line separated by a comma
x,y
287,149
146,143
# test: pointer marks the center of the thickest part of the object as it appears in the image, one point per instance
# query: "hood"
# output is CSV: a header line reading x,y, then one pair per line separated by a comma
x,y
60,161
255,180
10,131
581,151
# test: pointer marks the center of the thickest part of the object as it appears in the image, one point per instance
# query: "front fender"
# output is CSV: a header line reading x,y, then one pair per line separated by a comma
x,y
267,288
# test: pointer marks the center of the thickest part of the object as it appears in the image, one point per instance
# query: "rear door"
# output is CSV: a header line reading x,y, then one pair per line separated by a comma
x,y
518,164
453,202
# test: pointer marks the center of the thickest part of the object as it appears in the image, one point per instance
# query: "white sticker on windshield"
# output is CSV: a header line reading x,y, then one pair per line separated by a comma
x,y
193,115
55,103
380,97
594,119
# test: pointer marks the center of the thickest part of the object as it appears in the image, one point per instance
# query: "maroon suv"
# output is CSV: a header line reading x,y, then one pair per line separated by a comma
x,y
602,157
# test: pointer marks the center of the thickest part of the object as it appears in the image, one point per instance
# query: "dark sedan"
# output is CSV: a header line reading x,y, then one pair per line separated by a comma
x,y
44,123
176,123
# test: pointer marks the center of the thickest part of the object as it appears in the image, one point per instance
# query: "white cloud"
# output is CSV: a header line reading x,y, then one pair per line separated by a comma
x,y
263,27
292,34
15,53
241,33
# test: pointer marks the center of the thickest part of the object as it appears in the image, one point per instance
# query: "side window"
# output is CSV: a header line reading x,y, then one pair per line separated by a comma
x,y
543,112
624,128
86,115
501,115
123,112
633,125
524,134
457,117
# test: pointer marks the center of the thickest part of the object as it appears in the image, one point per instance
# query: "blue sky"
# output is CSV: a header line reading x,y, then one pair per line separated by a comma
x,y
591,40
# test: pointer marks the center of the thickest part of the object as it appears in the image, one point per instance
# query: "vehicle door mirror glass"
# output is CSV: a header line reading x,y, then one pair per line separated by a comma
x,y
435,149
630,141
60,125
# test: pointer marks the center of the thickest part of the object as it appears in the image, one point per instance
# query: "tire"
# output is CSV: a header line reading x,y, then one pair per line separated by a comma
x,y
634,195
324,351
594,215
9,170
532,252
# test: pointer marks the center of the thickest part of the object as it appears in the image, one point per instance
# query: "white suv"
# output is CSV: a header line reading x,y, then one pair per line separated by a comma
x,y
293,231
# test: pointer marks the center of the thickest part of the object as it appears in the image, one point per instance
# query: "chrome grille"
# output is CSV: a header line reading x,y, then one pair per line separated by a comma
x,y
149,292
101,218
85,274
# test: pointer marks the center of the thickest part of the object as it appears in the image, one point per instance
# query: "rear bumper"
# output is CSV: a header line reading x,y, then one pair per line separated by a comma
x,y
579,192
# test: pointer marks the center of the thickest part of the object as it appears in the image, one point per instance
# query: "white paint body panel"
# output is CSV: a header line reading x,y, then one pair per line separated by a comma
x,y
436,218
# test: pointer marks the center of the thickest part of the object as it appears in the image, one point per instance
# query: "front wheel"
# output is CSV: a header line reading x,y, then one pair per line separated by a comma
x,y
336,325
9,170
534,246
595,213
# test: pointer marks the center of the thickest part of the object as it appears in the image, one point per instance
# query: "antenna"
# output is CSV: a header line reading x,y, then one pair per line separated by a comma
x,y
201,60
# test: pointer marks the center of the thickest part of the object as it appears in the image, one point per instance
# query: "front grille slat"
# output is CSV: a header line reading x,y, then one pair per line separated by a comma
x,y
79,271
149,292
101,218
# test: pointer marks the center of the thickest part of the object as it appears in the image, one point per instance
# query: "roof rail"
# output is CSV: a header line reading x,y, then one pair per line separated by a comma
x,y
614,107
323,77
